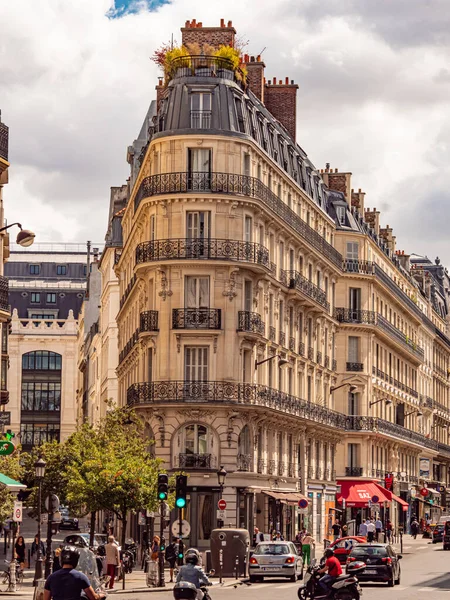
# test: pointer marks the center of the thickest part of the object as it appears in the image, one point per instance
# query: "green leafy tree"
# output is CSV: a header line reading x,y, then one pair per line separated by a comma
x,y
9,466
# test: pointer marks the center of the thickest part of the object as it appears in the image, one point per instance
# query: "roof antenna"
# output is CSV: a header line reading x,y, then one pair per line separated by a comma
x,y
171,43
265,48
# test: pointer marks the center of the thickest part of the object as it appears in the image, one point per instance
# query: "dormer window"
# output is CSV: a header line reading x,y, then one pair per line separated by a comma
x,y
201,110
340,213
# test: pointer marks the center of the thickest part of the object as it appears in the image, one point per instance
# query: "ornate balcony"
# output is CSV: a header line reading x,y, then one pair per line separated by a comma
x,y
353,471
291,470
376,425
363,267
196,318
272,333
355,366
400,337
282,339
271,467
250,322
196,461
4,293
295,281
301,348
349,315
311,472
292,343
311,353
4,135
261,465
281,468
204,66
244,462
129,346
393,381
201,119
236,185
223,392
127,291
202,249
149,321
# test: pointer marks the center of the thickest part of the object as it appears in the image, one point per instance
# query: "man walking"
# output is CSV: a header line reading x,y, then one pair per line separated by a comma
x,y
363,529
336,527
112,560
378,529
370,531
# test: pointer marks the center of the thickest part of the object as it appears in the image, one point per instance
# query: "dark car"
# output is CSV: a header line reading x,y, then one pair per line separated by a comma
x,y
382,563
438,534
69,523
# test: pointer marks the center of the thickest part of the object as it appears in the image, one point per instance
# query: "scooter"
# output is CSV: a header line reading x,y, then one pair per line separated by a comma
x,y
187,591
346,587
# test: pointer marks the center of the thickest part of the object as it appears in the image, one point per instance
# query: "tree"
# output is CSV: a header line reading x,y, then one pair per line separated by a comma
x,y
9,466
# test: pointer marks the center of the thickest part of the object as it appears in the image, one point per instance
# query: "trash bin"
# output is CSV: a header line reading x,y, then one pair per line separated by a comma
x,y
229,551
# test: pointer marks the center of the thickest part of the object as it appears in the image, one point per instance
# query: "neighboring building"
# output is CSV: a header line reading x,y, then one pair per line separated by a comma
x,y
47,288
4,253
228,259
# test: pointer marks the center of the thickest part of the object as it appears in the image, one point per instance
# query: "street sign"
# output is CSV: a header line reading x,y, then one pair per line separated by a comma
x,y
6,448
221,515
185,529
222,504
375,499
303,503
5,417
56,517
52,503
424,492
17,514
302,511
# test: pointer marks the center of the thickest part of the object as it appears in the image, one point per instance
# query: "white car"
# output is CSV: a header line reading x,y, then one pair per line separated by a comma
x,y
275,559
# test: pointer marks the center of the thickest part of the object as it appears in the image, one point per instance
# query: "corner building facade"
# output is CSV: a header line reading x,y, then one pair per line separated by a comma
x,y
227,261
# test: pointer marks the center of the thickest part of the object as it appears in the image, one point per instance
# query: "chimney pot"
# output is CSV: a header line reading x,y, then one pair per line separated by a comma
x,y
230,23
194,22
280,82
292,82
200,24
187,24
258,58
336,171
274,80
359,190
222,22
287,80
246,58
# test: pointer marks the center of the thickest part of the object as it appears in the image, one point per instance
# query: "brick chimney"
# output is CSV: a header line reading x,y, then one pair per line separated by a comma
x,y
404,260
339,182
386,235
358,200
281,100
372,218
255,75
194,32
160,92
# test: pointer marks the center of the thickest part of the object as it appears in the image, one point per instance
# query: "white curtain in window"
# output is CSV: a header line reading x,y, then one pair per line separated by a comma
x,y
353,349
197,292
200,160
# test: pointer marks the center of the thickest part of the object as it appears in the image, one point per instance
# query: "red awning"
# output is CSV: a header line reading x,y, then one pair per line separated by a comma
x,y
359,493
402,503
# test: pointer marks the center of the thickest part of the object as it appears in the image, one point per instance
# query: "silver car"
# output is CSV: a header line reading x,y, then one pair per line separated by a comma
x,y
275,559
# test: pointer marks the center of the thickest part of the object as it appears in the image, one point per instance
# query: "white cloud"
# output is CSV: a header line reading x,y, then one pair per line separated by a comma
x,y
75,86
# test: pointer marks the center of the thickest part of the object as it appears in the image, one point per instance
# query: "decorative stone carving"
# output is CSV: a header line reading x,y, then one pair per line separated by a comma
x,y
165,289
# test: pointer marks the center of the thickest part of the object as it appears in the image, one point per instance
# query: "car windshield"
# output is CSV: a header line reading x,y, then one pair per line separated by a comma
x,y
368,551
274,549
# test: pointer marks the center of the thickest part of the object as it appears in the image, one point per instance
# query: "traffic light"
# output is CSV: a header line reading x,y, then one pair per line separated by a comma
x,y
163,486
180,492
162,545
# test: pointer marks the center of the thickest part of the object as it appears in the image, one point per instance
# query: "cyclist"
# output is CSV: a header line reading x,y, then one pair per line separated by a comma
x,y
68,583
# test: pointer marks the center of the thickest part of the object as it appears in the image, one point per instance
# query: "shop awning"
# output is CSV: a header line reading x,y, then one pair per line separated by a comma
x,y
11,484
290,498
359,493
400,501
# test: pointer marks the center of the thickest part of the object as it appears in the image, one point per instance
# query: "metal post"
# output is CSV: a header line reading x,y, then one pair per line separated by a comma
x,y
220,522
220,564
180,537
49,555
38,569
12,566
162,582
401,541
236,565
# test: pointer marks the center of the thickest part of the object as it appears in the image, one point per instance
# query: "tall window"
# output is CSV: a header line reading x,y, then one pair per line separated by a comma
x,y
199,167
246,165
61,269
35,297
201,110
353,349
352,251
239,115
354,301
51,298
198,224
248,226
196,293
152,228
196,439
352,457
35,269
196,363
340,212
248,288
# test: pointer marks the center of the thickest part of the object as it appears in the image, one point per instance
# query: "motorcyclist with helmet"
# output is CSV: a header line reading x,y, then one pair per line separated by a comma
x,y
192,573
332,568
68,583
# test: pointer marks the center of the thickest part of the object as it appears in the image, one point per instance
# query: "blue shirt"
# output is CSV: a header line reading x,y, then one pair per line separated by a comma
x,y
67,584
363,529
192,574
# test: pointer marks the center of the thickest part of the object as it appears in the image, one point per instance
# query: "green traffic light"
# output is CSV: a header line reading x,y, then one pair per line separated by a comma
x,y
162,496
180,555
180,502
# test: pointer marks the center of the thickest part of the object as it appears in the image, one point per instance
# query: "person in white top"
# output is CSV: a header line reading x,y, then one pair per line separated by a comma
x,y
370,531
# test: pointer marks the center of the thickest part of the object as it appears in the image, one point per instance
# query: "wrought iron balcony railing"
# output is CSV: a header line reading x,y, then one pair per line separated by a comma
x,y
4,135
272,333
363,267
292,343
311,353
201,119
4,293
395,289
205,66
250,322
149,321
196,318
202,249
244,462
223,392
376,425
236,185
395,382
295,280
350,315
401,337
355,366
196,461
127,291
282,339
353,471
129,346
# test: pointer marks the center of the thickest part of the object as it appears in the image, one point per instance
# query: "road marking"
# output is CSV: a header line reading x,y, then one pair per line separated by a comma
x,y
433,590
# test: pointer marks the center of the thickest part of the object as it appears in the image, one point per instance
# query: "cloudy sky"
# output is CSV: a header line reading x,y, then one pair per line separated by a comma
x,y
374,79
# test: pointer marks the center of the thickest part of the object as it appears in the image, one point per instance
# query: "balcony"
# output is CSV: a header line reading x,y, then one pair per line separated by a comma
x,y
129,346
236,185
261,466
231,393
295,281
281,469
244,462
202,249
349,315
363,267
400,337
355,366
201,119
272,333
271,466
4,294
4,135
196,461
292,343
148,321
282,339
311,353
204,66
311,472
196,318
353,471
376,425
250,322
393,381
127,291
291,470
397,291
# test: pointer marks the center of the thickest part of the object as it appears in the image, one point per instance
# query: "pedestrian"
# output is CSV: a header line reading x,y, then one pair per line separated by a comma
x,y
362,531
370,531
20,551
35,545
171,555
414,529
307,542
378,529
154,550
279,537
336,527
388,530
112,560
344,531
257,536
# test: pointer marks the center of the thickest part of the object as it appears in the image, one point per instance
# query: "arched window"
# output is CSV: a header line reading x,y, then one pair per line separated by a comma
x,y
41,360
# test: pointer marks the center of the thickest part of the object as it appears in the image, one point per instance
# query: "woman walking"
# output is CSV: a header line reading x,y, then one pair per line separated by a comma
x,y
20,551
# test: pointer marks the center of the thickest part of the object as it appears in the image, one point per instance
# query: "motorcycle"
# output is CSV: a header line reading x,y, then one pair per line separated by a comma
x,y
346,587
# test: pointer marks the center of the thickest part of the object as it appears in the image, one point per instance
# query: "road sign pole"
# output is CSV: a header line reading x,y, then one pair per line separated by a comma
x,y
162,582
180,537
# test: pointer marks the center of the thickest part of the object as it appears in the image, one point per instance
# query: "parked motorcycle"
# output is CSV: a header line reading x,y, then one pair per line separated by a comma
x,y
346,587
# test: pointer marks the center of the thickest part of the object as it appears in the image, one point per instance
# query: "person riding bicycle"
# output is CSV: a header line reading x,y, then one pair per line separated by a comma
x,y
68,583
192,573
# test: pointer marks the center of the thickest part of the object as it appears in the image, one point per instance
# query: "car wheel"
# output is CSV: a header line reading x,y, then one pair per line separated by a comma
x,y
252,579
391,582
301,574
293,577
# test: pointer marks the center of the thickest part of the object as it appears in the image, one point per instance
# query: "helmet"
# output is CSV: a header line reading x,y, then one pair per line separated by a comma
x,y
192,559
329,553
69,556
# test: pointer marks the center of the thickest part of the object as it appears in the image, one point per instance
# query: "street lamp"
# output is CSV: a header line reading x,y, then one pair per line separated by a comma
x,y
418,412
25,237
221,476
351,388
281,363
39,467
387,401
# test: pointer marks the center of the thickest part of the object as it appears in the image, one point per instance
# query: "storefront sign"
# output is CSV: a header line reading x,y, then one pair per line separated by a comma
x,y
389,481
424,468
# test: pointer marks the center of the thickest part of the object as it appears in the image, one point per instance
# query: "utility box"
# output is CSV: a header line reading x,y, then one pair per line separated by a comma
x,y
229,552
